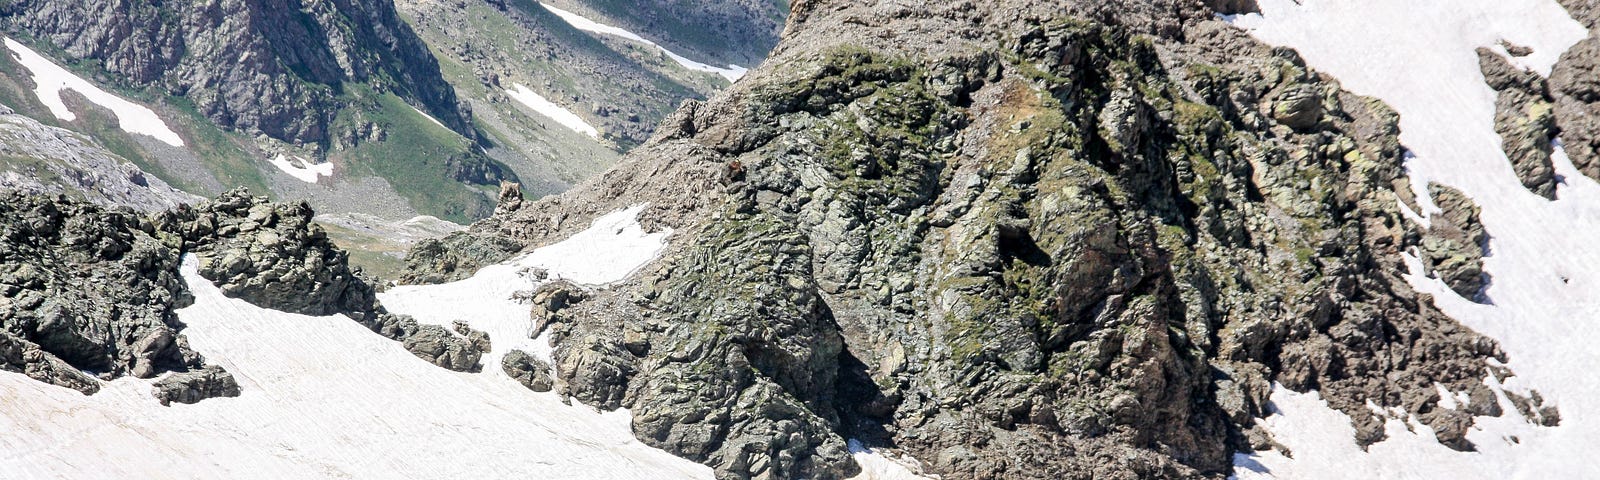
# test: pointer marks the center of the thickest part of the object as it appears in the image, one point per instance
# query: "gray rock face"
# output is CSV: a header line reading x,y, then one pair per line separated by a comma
x,y
193,386
22,356
529,371
271,255
1525,119
44,160
1017,240
90,287
268,67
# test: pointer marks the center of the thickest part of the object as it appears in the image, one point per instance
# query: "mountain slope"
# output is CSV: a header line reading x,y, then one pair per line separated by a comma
x,y
992,235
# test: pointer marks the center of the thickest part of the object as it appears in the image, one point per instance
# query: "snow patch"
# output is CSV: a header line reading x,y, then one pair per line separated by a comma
x,y
302,169
547,108
1418,56
732,72
323,398
429,117
50,79
876,466
613,247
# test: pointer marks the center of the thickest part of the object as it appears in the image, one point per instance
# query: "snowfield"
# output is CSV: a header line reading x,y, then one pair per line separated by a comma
x,y
1418,56
549,109
732,72
326,398
302,169
50,79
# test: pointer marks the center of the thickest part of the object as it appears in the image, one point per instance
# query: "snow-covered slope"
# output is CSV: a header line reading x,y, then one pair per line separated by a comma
x,y
549,109
323,398
1418,56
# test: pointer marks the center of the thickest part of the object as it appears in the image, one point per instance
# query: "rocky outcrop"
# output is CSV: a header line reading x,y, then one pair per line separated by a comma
x,y
272,67
1016,240
1575,86
1453,246
86,289
193,386
715,32
1525,119
270,254
528,370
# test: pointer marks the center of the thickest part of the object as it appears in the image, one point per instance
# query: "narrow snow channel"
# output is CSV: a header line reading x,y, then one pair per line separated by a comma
x,y
302,169
50,79
547,108
732,72
1418,56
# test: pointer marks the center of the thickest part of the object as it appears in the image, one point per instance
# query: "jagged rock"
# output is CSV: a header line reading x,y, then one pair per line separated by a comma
x,y
454,257
436,344
271,255
1453,246
22,356
548,300
193,386
1575,86
88,287
529,371
1525,119
1069,240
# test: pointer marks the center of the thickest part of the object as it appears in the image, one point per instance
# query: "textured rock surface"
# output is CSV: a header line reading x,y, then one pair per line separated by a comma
x,y
1525,119
272,67
193,386
90,289
1017,240
1453,246
1575,86
529,371
270,254
44,160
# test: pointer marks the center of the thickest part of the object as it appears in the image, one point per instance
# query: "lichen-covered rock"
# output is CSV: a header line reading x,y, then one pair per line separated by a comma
x,y
195,385
1016,240
1525,119
270,254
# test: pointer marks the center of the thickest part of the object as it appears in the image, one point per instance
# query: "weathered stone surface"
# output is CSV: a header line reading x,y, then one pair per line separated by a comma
x,y
529,371
193,386
1453,246
1016,240
87,287
1525,119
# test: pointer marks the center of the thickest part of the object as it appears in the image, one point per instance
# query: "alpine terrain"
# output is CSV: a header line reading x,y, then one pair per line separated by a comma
x,y
815,239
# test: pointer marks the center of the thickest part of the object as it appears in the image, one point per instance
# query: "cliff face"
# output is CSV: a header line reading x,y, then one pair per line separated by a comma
x,y
272,67
1017,240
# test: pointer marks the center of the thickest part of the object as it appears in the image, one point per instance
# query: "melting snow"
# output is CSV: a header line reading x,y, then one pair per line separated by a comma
x,y
1418,56
50,79
611,249
302,169
323,398
733,72
876,466
549,109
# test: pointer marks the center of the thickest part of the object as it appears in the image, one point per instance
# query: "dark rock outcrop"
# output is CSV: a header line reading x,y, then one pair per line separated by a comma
x,y
195,385
531,372
1525,119
1574,84
1016,240
86,288
1453,246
